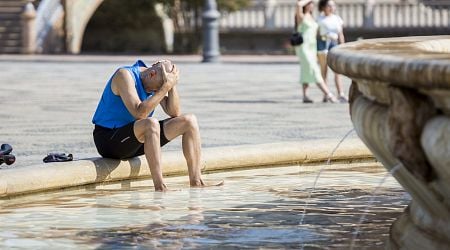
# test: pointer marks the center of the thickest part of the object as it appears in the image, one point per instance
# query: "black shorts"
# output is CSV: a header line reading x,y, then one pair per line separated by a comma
x,y
121,143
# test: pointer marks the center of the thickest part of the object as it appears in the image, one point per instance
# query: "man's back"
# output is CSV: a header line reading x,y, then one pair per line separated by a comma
x,y
111,111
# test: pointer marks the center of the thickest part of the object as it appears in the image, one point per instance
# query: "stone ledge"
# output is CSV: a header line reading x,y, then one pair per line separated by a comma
x,y
54,176
418,62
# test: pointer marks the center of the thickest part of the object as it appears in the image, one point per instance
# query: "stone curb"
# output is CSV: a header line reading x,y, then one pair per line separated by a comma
x,y
53,176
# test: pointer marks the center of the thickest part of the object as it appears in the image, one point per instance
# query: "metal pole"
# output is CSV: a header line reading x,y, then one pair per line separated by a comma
x,y
210,17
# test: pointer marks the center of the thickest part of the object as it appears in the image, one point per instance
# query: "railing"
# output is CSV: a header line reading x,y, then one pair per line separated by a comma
x,y
276,14
411,15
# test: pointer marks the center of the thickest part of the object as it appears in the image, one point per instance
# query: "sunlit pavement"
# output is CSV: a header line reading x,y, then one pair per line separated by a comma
x,y
47,102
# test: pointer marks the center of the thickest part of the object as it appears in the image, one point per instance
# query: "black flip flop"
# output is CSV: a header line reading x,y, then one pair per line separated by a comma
x,y
58,157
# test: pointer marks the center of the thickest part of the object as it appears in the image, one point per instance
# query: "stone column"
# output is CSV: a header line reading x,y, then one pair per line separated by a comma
x,y
210,16
168,27
76,15
28,29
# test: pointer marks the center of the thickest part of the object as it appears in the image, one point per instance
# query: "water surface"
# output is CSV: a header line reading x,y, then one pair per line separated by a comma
x,y
255,208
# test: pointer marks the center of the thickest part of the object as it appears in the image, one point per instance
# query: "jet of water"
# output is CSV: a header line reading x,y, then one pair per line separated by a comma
x,y
320,172
369,204
318,175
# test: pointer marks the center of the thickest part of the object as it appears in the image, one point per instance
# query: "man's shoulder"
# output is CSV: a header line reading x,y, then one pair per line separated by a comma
x,y
121,79
122,74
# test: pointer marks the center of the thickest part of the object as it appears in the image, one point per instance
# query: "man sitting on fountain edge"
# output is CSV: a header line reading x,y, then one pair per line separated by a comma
x,y
125,128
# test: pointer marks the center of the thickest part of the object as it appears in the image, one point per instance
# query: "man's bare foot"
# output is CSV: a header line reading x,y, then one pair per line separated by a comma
x,y
200,183
161,188
197,183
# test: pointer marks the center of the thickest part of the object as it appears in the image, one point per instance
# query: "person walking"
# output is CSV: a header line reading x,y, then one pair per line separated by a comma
x,y
330,35
307,51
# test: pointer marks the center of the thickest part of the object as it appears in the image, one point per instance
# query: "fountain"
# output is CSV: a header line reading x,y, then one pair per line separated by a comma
x,y
400,108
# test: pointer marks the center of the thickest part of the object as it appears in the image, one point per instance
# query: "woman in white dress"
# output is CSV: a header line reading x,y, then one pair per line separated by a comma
x,y
330,35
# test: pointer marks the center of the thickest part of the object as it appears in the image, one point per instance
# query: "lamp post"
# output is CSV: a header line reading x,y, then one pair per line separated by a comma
x,y
210,32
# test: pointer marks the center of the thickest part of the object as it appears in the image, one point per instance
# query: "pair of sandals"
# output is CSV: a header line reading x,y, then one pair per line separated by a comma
x,y
340,99
328,98
58,157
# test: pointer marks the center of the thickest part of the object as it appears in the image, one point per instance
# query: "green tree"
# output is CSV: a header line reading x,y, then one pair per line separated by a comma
x,y
188,11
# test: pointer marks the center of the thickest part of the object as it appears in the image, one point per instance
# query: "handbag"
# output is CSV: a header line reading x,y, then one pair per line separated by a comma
x,y
296,38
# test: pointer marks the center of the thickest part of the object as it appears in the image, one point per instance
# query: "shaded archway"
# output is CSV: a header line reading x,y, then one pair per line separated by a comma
x,y
119,26
78,13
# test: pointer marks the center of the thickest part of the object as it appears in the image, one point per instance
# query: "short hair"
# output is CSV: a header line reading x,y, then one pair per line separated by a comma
x,y
323,4
157,66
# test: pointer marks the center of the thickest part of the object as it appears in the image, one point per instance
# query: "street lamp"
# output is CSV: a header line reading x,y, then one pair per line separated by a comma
x,y
210,32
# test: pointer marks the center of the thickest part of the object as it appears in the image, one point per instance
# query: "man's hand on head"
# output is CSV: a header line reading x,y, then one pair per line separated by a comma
x,y
170,76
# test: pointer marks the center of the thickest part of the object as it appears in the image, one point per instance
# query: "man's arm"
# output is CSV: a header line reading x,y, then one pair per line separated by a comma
x,y
171,103
123,85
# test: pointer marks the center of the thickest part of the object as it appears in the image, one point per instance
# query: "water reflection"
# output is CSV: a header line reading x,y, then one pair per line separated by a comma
x,y
255,208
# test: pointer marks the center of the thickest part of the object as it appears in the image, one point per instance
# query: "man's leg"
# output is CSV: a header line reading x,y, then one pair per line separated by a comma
x,y
147,131
187,126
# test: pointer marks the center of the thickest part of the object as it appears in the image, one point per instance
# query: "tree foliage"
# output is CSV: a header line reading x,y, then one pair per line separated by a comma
x,y
183,12
222,5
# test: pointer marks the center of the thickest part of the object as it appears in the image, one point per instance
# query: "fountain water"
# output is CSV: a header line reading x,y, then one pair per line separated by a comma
x,y
318,175
369,204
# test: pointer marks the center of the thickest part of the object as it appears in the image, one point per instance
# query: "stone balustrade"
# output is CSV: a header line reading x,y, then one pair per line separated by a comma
x,y
400,107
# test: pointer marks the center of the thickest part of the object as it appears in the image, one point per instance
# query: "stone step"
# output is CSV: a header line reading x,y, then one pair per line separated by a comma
x,y
17,3
10,16
11,9
10,23
10,50
10,43
10,36
11,29
10,26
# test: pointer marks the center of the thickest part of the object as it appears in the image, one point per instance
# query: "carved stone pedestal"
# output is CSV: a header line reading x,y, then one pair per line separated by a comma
x,y
400,107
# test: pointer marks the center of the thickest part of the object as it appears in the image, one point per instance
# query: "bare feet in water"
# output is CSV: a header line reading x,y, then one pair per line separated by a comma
x,y
203,184
161,188
196,184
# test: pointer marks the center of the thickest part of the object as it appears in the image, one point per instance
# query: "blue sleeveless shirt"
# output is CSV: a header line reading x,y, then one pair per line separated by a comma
x,y
111,111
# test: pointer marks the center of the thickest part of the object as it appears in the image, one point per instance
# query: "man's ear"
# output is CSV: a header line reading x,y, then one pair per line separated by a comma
x,y
152,73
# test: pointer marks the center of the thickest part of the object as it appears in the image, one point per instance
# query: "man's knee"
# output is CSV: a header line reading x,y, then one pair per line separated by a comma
x,y
190,121
151,126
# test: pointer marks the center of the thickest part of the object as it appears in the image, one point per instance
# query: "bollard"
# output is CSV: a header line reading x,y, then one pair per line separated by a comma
x,y
28,29
210,32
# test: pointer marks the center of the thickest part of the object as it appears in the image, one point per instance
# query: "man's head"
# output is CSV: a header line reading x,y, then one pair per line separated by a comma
x,y
153,77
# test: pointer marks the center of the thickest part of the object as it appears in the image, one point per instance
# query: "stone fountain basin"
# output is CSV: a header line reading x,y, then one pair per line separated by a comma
x,y
57,176
400,108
